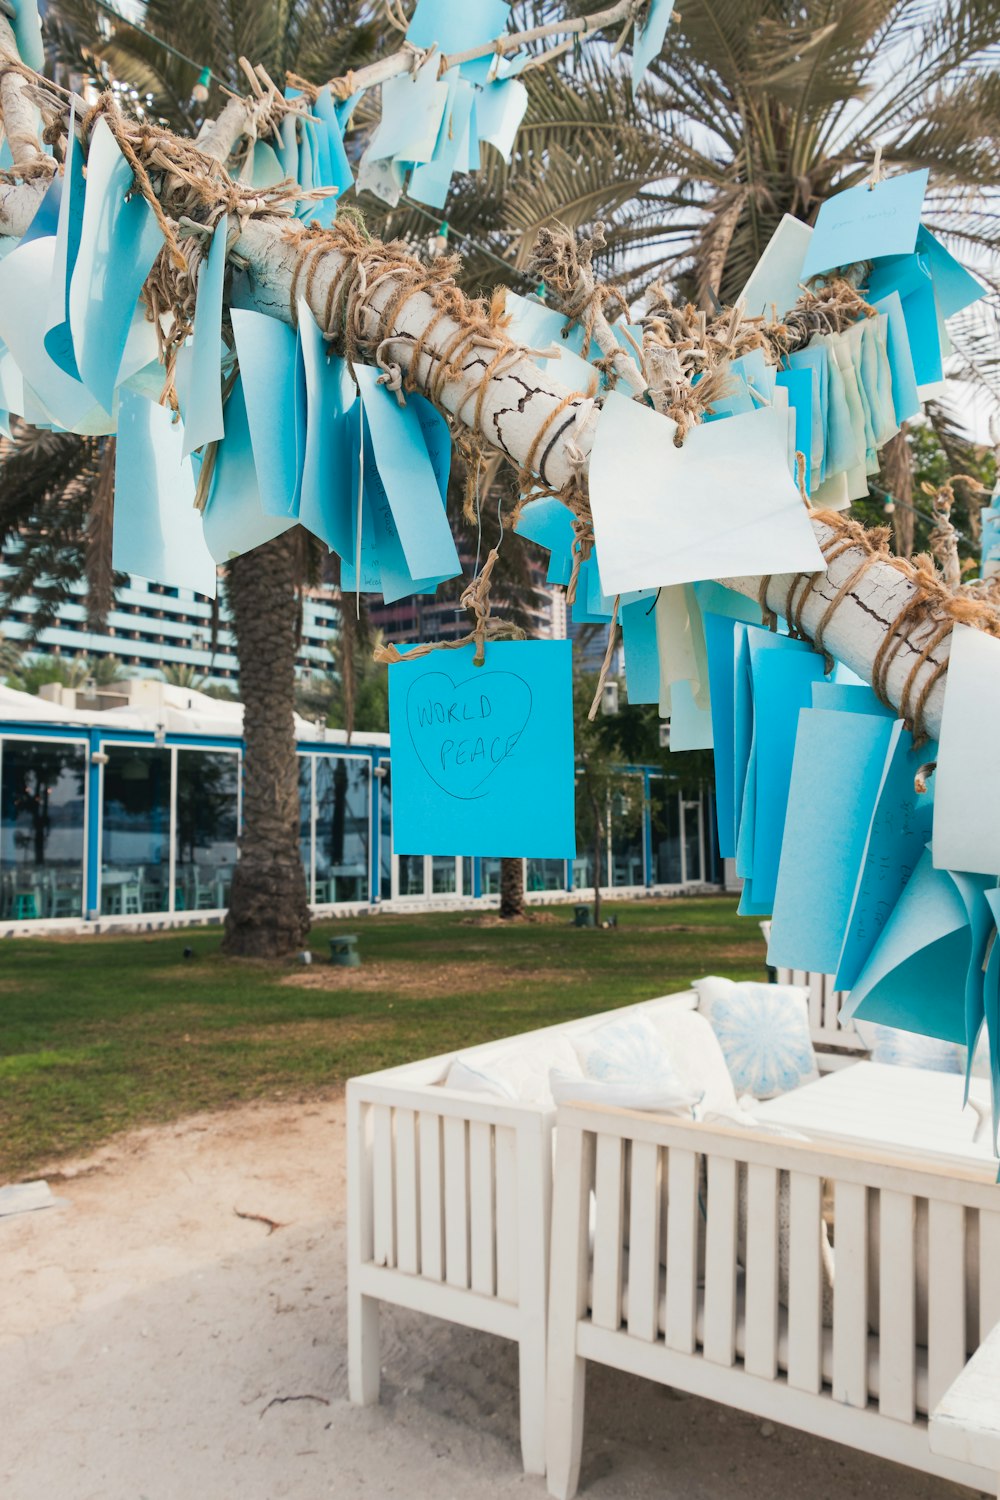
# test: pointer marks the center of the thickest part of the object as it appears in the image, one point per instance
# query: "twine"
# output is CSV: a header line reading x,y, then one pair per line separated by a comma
x,y
475,598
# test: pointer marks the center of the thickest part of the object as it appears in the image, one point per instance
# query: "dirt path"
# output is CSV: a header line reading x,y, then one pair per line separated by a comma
x,y
156,1346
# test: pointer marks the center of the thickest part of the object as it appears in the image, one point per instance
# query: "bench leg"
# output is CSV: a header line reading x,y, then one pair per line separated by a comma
x,y
564,1425
363,1357
531,1362
567,1305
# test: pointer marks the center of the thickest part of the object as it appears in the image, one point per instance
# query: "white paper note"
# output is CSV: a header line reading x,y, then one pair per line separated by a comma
x,y
774,281
724,505
967,780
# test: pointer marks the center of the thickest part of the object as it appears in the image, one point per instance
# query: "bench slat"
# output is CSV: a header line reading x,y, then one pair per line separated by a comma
x,y
431,1198
456,1203
850,1295
481,1203
897,1307
761,1356
946,1331
644,1242
989,1272
609,1192
407,1193
505,1166
805,1284
683,1224
383,1192
720,1261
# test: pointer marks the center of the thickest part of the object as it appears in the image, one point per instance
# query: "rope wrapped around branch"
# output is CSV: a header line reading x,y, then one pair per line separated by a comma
x,y
477,599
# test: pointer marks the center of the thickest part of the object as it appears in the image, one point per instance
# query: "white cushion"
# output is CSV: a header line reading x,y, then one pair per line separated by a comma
x,y
698,1060
909,1049
520,1074
625,1063
763,1030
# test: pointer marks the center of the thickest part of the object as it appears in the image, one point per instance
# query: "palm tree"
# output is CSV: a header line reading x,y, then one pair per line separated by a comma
x,y
56,489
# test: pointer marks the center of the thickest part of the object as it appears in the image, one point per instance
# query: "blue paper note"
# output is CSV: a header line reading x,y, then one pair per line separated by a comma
x,y
750,644
500,108
482,759
836,773
549,524
917,974
235,520
991,1009
429,183
326,503
158,534
456,28
849,697
865,223
538,326
274,391
782,683
900,828
381,547
910,277
954,287
649,39
813,359
799,385
413,108
119,240
58,336
642,661
202,410
46,219
28,34
340,174
266,169
720,645
410,481
26,279
588,587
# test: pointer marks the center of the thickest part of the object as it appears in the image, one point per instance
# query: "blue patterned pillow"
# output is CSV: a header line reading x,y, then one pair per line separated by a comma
x,y
626,1064
763,1030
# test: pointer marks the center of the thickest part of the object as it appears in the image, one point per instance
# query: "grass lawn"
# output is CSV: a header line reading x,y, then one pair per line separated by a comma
x,y
98,1034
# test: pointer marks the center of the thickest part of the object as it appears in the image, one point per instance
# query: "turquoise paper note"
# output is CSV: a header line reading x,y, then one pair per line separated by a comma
x,y
649,39
119,240
413,108
917,974
28,34
799,385
751,644
642,661
866,223
158,534
813,359
721,648
900,828
274,390
549,524
836,773
500,108
202,411
782,684
482,759
396,581
588,589
910,277
46,219
849,697
410,480
59,336
339,168
326,502
456,28
954,287
235,520
991,1009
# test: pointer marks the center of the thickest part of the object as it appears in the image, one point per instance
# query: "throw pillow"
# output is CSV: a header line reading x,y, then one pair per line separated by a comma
x,y
625,1063
763,1030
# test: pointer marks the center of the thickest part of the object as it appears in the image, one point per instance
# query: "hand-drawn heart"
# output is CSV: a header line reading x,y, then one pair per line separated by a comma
x,y
463,732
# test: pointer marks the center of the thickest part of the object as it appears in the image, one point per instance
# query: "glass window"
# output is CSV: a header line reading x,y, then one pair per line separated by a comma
x,y
466,875
444,878
489,875
385,830
135,837
343,826
43,788
583,870
207,827
627,862
411,874
546,875
665,815
692,838
305,819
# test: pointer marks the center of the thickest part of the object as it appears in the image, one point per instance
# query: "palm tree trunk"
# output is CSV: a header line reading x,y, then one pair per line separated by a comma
x,y
268,910
511,888
897,475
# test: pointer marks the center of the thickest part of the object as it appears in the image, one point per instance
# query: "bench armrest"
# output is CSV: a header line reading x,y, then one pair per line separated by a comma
x,y
965,1425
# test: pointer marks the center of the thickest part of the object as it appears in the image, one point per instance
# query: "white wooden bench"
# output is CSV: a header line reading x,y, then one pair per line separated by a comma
x,y
449,1202
671,1288
965,1425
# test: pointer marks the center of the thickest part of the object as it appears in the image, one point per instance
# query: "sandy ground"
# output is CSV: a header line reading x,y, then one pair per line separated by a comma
x,y
156,1346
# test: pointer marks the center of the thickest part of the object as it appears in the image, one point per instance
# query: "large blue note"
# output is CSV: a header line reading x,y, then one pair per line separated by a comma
x,y
482,759
235,519
275,394
866,223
